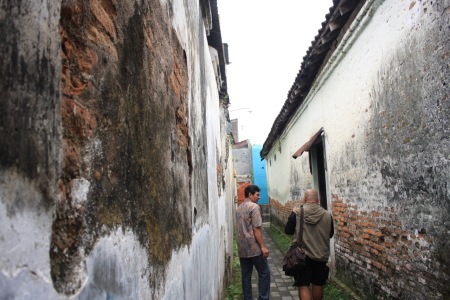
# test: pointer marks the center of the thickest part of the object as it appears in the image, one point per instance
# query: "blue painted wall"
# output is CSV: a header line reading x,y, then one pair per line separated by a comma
x,y
259,173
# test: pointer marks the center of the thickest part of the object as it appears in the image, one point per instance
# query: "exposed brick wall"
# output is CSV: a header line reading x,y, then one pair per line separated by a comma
x,y
241,191
124,81
374,247
279,212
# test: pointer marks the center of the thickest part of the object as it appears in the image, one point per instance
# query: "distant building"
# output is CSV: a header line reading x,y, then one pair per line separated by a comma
x,y
242,155
250,169
235,129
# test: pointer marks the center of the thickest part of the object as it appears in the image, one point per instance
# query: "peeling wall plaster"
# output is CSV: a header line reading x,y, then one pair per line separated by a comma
x,y
115,167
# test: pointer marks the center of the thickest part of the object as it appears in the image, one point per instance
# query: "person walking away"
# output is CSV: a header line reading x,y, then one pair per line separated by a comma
x,y
251,248
318,229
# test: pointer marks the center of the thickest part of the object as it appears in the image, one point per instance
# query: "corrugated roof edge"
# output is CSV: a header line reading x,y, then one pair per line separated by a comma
x,y
337,21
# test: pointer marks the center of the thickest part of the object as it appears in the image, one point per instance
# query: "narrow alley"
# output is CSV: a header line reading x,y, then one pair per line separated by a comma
x,y
281,285
123,156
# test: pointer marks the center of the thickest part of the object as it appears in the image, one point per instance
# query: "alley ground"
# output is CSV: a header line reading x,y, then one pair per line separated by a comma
x,y
281,285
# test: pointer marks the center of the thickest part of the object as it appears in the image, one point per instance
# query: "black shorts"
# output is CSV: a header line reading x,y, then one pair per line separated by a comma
x,y
315,272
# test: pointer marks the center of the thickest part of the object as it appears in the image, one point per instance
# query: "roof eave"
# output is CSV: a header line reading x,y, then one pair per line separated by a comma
x,y
336,23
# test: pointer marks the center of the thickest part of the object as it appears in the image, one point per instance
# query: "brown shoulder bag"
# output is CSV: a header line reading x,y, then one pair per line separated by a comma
x,y
295,258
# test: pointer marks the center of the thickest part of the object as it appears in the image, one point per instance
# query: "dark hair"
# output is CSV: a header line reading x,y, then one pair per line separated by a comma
x,y
251,189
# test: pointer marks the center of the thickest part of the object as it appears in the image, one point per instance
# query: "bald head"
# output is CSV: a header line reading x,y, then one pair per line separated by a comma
x,y
311,196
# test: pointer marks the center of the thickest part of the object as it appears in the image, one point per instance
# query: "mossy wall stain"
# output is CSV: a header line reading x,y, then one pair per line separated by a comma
x,y
126,130
29,85
403,248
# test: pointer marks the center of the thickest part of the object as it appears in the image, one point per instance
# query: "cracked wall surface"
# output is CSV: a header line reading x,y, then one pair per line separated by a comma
x,y
114,136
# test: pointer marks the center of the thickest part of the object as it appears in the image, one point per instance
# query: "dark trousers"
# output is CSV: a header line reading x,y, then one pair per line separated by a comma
x,y
262,267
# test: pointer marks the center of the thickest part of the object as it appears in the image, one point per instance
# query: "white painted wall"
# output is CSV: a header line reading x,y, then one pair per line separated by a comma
x,y
389,38
340,101
195,271
25,241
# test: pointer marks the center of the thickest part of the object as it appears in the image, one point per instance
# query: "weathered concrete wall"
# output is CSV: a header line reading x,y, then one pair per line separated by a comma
x,y
287,179
383,103
31,144
243,160
114,180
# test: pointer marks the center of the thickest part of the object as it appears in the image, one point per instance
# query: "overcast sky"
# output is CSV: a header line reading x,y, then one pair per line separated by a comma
x,y
267,41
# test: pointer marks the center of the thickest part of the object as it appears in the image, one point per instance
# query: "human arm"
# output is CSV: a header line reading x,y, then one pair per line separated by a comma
x,y
257,232
290,225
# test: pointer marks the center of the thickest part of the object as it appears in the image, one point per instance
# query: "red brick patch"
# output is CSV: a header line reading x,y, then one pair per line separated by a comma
x,y
376,242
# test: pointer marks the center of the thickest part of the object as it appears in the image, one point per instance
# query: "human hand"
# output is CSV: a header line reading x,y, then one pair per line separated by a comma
x,y
265,252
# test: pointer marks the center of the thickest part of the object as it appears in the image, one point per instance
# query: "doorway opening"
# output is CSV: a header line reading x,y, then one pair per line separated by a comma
x,y
317,162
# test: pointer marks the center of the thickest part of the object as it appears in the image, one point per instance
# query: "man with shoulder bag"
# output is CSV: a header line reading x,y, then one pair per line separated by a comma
x,y
317,231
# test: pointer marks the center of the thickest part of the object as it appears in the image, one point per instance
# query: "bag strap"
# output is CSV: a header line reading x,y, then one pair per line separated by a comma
x,y
300,234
